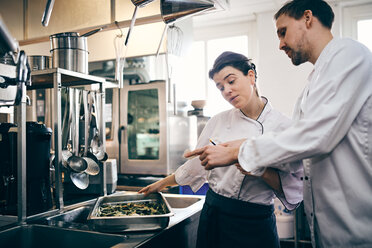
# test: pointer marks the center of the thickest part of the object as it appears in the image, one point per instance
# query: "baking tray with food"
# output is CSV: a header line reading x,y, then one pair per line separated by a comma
x,y
130,212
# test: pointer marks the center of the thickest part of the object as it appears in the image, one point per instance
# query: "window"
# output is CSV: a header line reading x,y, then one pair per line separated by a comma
x,y
238,44
364,32
193,82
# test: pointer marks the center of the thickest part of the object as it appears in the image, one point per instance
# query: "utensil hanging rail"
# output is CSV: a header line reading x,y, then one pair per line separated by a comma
x,y
106,27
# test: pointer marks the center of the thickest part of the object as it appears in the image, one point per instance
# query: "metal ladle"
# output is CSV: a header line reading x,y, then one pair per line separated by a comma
x,y
96,143
93,167
76,163
66,153
80,180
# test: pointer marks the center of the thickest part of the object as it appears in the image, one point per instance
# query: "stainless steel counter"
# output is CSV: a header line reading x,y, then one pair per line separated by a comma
x,y
72,224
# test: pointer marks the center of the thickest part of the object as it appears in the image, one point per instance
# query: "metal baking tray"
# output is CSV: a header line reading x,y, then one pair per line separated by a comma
x,y
129,223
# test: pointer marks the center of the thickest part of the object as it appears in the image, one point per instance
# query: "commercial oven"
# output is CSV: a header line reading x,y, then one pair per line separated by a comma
x,y
142,132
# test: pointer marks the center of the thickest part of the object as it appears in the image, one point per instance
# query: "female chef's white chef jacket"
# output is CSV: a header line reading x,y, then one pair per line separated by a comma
x,y
229,181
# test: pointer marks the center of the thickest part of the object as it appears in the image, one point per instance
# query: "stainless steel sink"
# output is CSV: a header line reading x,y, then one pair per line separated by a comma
x,y
181,201
76,218
30,236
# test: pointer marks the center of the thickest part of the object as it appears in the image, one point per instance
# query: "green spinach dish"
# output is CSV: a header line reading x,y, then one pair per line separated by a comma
x,y
132,209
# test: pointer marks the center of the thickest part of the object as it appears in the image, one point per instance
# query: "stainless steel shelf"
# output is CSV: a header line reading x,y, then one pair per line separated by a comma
x,y
45,78
57,78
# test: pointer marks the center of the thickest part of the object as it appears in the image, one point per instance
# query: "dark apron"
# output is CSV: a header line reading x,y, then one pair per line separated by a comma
x,y
226,222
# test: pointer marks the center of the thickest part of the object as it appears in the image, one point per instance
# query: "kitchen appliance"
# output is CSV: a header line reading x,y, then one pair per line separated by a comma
x,y
39,197
198,112
151,140
172,10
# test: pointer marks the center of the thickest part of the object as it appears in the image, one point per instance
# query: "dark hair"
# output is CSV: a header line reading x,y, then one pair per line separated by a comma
x,y
236,60
320,9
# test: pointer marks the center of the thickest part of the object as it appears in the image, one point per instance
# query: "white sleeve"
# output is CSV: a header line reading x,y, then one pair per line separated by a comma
x,y
192,173
333,101
292,185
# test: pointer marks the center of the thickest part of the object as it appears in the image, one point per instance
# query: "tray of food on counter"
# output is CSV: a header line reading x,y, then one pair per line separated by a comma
x,y
130,212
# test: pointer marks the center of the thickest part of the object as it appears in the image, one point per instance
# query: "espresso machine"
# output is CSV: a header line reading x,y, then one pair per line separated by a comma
x,y
39,196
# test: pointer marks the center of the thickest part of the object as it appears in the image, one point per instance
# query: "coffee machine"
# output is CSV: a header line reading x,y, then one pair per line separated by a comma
x,y
38,187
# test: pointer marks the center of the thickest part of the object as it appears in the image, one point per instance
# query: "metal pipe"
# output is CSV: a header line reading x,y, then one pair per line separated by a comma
x,y
21,157
131,25
57,140
7,42
47,13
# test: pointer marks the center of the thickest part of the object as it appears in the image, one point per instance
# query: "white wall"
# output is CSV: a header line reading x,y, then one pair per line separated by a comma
x,y
278,79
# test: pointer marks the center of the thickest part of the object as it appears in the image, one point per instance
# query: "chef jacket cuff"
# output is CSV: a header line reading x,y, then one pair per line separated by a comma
x,y
246,158
184,177
292,188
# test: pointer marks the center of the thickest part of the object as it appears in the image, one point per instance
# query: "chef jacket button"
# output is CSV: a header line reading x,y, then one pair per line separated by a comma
x,y
301,178
311,214
306,178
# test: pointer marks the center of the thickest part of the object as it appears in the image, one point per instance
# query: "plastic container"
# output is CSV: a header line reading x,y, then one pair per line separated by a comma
x,y
285,226
284,220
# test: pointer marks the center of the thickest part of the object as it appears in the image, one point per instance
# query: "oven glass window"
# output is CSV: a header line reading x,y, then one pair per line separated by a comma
x,y
143,124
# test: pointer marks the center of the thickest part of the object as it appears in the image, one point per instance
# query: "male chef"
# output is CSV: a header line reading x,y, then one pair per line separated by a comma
x,y
331,133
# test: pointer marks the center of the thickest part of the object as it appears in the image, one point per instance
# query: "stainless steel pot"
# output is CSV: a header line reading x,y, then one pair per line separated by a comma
x,y
39,62
70,51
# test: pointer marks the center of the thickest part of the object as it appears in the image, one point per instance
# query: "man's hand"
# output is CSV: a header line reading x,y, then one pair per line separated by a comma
x,y
234,143
215,156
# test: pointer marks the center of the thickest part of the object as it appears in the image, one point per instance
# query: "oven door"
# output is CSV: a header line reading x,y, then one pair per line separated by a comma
x,y
143,143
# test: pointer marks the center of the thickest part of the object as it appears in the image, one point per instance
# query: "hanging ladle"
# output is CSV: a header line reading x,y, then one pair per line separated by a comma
x,y
66,153
96,143
80,180
76,163
93,167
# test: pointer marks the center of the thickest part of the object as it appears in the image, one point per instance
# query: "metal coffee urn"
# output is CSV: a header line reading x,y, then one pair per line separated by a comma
x,y
38,139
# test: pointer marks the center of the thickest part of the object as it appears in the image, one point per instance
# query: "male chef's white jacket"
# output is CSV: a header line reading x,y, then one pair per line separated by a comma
x,y
332,133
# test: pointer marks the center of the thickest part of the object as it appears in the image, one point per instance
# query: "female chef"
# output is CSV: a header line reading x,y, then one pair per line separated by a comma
x,y
238,209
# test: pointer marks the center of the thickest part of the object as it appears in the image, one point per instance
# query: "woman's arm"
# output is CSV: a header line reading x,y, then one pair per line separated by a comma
x,y
159,185
272,178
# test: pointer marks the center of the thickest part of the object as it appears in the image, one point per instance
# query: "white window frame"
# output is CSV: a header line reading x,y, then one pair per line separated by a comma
x,y
218,30
351,16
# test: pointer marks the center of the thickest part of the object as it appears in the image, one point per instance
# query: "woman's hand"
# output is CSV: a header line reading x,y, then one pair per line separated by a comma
x,y
242,170
152,188
159,185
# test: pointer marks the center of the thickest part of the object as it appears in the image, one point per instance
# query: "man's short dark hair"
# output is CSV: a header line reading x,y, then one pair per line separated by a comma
x,y
320,9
